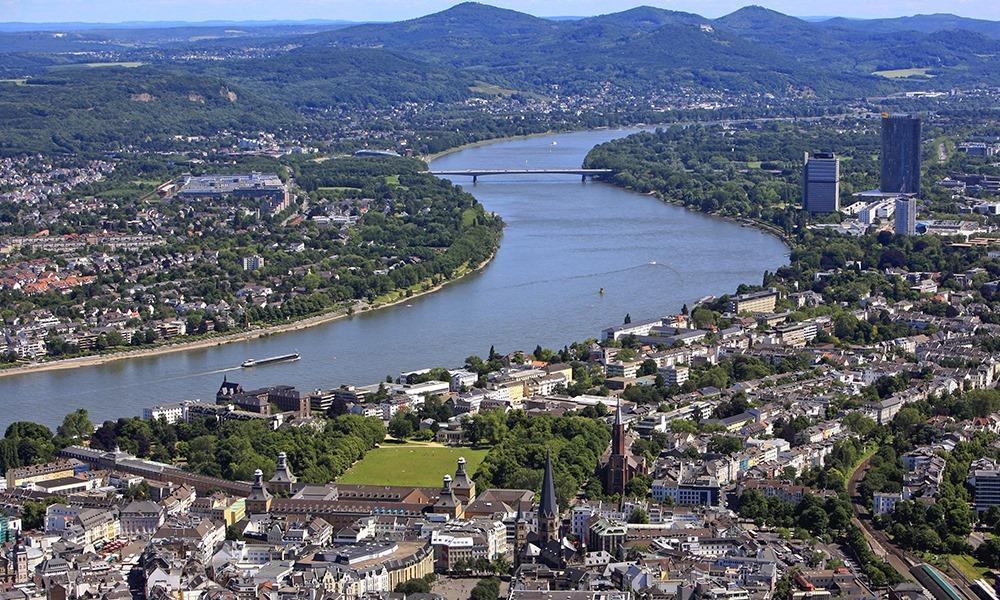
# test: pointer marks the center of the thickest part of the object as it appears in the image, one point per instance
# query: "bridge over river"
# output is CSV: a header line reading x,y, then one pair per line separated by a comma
x,y
475,174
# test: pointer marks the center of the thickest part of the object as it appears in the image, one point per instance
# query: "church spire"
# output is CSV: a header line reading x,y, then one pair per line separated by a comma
x,y
547,507
618,432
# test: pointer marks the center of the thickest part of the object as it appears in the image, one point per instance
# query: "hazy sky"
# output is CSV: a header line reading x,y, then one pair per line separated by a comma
x,y
391,10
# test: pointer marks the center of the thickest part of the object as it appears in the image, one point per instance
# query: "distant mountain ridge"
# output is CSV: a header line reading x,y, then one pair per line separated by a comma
x,y
445,55
923,23
753,48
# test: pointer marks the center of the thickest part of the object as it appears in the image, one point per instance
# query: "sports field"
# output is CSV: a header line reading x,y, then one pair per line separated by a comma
x,y
413,464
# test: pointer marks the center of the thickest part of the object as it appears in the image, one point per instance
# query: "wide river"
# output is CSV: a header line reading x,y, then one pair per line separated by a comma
x,y
564,241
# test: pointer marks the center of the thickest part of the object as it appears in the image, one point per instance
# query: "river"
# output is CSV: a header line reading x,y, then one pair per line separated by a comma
x,y
564,241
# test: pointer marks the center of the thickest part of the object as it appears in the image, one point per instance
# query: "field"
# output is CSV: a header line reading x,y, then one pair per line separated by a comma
x,y
100,65
904,73
414,463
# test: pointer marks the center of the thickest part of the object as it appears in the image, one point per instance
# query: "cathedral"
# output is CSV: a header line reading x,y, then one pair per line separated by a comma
x,y
619,465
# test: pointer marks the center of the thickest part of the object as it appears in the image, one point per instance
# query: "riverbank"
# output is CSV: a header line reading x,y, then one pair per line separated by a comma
x,y
428,158
765,227
241,336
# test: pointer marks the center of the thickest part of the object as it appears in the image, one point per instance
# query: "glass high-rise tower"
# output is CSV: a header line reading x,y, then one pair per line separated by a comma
x,y
900,154
821,183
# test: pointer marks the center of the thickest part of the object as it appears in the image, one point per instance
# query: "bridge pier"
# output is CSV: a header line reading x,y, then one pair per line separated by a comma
x,y
475,179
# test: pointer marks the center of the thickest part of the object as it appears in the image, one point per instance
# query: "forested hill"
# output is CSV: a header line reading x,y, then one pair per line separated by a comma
x,y
159,84
752,48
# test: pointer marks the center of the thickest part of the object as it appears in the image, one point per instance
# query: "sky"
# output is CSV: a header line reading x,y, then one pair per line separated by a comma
x,y
111,11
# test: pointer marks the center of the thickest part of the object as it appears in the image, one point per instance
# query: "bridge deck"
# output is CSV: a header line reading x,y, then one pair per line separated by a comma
x,y
482,172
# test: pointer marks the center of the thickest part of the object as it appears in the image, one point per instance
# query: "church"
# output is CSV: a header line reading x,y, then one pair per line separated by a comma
x,y
546,545
619,465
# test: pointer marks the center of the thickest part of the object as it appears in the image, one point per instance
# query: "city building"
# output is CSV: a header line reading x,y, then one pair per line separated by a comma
x,y
253,262
763,301
906,215
900,154
984,477
268,188
821,183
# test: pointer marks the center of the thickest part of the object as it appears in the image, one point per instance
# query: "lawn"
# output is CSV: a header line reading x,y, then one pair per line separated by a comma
x,y
968,565
413,464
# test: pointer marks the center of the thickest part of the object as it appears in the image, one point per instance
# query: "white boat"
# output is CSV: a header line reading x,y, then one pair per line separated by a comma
x,y
257,362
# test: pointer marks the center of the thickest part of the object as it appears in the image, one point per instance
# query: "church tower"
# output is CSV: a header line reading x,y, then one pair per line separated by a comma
x,y
448,503
464,487
616,471
259,500
283,480
548,510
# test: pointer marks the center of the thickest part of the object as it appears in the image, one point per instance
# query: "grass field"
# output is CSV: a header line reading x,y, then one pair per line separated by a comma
x,y
968,565
413,464
128,64
904,73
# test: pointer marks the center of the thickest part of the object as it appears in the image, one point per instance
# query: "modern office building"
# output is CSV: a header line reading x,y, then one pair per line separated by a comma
x,y
900,154
984,477
821,183
906,215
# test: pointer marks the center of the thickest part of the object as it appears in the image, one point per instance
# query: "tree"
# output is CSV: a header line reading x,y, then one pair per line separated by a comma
x,y
234,533
860,424
989,552
649,367
683,426
628,318
638,516
486,589
400,425
418,585
139,491
33,513
488,427
76,425
501,565
638,486
725,444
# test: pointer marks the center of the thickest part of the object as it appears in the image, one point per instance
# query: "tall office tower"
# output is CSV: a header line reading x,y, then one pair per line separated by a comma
x,y
906,215
900,154
821,183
